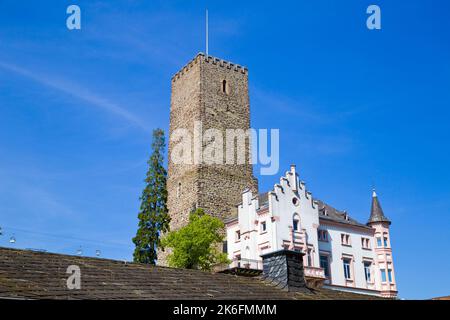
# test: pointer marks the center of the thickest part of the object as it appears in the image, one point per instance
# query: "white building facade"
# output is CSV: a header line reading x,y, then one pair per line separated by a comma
x,y
339,252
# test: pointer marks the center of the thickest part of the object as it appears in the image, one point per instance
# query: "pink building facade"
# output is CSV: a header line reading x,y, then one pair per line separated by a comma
x,y
339,252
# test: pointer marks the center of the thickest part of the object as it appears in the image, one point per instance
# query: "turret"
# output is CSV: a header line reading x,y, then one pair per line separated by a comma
x,y
383,249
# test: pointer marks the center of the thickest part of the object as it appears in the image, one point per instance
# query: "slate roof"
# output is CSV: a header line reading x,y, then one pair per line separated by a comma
x,y
39,275
327,212
263,199
376,212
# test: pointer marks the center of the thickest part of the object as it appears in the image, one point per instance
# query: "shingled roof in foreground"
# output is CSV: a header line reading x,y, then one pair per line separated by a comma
x,y
27,274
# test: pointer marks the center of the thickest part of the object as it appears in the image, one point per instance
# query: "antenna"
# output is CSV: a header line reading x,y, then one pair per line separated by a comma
x,y
206,32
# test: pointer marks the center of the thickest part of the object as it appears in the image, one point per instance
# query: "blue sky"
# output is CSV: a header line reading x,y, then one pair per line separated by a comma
x,y
354,108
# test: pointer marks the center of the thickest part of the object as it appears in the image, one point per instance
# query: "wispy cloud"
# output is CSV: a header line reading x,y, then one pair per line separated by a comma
x,y
78,92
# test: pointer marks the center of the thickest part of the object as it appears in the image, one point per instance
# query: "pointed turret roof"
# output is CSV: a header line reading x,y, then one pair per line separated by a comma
x,y
376,213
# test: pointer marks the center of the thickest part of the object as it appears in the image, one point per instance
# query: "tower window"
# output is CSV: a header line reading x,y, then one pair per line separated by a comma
x,y
237,236
179,190
225,87
379,242
383,275
263,226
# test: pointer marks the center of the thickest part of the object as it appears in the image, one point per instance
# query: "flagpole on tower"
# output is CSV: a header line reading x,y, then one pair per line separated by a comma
x,y
206,32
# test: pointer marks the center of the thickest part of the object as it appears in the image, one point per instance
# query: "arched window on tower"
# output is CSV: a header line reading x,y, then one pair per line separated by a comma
x,y
225,87
296,222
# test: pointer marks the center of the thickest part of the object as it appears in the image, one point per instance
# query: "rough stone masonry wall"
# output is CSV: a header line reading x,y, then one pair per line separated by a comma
x,y
197,96
184,110
221,186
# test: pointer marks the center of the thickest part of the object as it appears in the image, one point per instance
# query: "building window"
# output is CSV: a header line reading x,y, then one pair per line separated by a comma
x,y
385,241
325,265
238,235
383,275
237,258
345,239
225,88
365,243
367,266
263,226
390,275
347,272
309,258
378,242
296,223
179,190
322,235
225,247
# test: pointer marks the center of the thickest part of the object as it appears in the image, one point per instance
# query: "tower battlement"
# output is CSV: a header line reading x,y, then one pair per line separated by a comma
x,y
209,59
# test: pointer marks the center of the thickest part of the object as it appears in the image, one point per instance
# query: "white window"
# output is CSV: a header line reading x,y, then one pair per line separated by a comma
x,y
347,268
379,242
323,235
365,243
324,264
296,223
309,258
345,239
367,266
263,226
383,275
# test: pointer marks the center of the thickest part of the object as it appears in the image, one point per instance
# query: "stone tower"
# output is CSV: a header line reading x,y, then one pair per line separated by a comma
x,y
213,93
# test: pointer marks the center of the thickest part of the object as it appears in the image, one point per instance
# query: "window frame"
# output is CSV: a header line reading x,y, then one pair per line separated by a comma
x,y
347,265
237,236
327,271
383,276
263,227
368,271
322,235
346,240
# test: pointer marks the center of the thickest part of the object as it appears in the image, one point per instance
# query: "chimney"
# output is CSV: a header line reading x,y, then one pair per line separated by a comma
x,y
284,268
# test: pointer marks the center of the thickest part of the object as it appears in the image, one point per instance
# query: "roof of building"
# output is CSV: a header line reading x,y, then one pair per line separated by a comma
x,y
28,274
327,212
376,212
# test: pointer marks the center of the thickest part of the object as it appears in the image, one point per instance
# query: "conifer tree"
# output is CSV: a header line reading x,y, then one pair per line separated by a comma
x,y
153,214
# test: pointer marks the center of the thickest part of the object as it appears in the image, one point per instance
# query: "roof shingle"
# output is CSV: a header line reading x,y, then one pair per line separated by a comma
x,y
37,275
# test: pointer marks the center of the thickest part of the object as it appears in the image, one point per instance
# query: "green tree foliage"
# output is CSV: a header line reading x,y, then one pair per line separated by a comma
x,y
195,246
153,214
